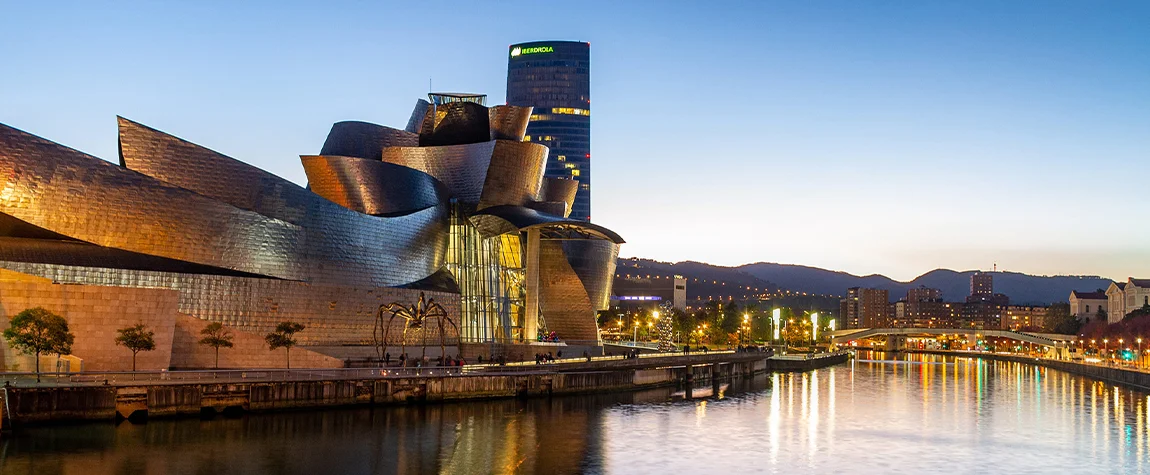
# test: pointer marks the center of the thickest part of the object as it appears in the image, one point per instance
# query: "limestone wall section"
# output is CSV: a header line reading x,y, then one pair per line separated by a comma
x,y
250,351
94,313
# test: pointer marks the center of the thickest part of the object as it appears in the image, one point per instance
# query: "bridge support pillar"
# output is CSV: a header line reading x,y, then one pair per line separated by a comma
x,y
895,342
716,371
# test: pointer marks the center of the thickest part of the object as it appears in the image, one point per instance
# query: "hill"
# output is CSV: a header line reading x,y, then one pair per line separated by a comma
x,y
1023,289
707,281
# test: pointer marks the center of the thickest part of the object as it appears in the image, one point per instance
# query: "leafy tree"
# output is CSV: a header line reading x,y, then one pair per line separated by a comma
x,y
1142,311
136,338
216,336
36,331
284,337
1101,315
605,318
732,318
1059,319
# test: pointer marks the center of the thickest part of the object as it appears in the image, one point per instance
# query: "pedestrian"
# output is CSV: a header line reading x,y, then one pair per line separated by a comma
x,y
386,359
559,354
479,359
403,360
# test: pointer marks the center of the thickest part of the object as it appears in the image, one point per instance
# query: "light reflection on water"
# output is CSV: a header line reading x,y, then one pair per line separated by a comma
x,y
920,414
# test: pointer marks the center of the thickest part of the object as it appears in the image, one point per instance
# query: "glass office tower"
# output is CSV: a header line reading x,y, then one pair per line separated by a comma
x,y
554,77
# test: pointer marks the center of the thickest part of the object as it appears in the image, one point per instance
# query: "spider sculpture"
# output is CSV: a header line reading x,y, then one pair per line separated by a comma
x,y
415,318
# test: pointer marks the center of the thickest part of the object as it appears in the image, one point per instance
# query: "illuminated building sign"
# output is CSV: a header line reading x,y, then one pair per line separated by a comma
x,y
776,318
520,51
640,297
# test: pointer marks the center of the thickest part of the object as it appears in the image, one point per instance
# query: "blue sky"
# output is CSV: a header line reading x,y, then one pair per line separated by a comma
x,y
873,137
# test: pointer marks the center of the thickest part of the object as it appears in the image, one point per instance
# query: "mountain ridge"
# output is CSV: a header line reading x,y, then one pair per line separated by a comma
x,y
1023,289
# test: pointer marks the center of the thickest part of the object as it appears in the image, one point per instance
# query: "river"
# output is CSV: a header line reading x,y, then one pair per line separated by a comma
x,y
915,414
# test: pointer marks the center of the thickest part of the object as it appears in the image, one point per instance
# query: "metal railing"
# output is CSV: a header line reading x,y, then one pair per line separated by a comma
x,y
228,376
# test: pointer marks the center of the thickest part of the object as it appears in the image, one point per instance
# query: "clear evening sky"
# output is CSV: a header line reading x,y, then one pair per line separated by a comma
x,y
873,137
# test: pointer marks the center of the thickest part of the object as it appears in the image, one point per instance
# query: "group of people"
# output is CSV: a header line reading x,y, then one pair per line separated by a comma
x,y
687,349
422,362
548,337
544,358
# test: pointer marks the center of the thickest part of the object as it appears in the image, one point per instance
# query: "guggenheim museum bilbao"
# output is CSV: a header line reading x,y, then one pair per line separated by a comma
x,y
454,206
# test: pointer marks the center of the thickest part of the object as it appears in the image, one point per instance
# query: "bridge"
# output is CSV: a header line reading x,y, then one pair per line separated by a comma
x,y
1055,341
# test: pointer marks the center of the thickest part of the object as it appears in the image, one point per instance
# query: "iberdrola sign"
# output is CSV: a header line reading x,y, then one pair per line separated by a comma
x,y
519,51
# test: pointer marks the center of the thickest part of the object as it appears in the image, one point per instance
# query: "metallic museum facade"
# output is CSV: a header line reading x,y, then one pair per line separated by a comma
x,y
455,206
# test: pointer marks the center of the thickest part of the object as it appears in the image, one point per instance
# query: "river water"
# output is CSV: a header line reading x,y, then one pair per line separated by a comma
x,y
917,414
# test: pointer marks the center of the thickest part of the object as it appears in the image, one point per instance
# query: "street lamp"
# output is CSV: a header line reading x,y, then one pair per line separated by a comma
x,y
1139,340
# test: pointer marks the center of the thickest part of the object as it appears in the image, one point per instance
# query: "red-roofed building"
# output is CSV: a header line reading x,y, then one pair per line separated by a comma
x,y
1086,305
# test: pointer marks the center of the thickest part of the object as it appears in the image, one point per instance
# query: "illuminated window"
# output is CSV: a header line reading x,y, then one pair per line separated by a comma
x,y
569,165
570,111
574,172
561,158
526,138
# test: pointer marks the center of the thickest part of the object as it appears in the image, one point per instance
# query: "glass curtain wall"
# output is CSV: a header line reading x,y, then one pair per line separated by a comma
x,y
491,281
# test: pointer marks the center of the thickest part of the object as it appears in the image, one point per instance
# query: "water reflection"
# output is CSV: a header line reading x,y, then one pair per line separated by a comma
x,y
878,414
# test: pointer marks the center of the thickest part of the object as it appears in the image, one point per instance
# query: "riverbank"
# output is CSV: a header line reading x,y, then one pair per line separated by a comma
x,y
110,396
96,397
1129,377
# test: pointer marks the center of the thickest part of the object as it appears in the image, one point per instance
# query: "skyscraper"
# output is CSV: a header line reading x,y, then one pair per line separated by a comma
x,y
555,78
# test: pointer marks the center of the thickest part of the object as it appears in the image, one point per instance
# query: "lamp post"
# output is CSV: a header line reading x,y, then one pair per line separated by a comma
x,y
1139,340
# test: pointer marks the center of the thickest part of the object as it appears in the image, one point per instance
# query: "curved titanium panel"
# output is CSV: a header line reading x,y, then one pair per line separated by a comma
x,y
455,123
563,300
515,218
515,174
77,253
415,123
310,238
67,192
442,281
13,227
594,262
560,189
557,208
364,140
371,186
184,164
509,122
462,168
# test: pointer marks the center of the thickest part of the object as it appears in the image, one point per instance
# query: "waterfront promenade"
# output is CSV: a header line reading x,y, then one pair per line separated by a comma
x,y
106,396
1131,376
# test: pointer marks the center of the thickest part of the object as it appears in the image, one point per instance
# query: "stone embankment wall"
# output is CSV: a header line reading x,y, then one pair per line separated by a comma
x,y
65,404
1109,374
58,404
